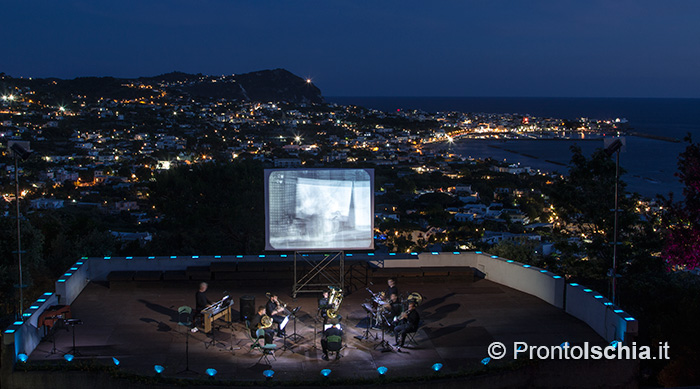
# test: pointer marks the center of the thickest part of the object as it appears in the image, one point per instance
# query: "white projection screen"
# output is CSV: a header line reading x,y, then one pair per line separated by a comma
x,y
319,209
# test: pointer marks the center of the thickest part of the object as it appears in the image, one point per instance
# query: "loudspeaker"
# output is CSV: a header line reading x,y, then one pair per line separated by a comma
x,y
247,307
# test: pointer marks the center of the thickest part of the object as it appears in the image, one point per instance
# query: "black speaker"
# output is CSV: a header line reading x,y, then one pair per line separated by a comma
x,y
247,307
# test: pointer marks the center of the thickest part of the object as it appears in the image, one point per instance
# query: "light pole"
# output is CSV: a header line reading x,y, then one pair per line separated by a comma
x,y
615,147
19,151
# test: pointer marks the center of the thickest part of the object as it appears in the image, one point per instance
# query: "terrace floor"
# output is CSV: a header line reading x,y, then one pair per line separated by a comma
x,y
137,322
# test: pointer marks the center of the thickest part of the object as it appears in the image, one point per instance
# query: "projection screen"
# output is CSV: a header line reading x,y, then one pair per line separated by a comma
x,y
319,209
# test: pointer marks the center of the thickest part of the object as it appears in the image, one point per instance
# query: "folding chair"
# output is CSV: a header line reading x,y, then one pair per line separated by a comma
x,y
267,349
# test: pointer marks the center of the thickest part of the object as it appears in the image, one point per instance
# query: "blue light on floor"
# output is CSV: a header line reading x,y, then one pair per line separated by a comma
x,y
382,370
510,261
116,361
434,253
477,252
68,357
269,373
588,290
151,257
129,257
325,372
629,319
618,311
494,256
436,367
573,284
211,372
158,369
557,277
598,296
18,323
485,361
526,265
22,357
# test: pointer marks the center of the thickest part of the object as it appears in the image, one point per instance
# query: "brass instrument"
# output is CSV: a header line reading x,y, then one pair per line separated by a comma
x,y
335,298
280,304
265,322
415,297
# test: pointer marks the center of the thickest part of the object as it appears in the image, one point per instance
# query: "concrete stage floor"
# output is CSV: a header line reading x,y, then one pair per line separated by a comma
x,y
136,322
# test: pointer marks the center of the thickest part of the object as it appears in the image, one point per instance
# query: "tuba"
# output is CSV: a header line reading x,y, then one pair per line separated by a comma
x,y
334,299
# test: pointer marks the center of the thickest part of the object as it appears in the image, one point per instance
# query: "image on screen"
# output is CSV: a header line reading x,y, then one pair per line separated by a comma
x,y
319,209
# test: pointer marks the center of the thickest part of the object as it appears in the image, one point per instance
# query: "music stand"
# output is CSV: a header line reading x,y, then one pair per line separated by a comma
x,y
58,321
294,336
185,312
367,333
74,322
386,347
230,327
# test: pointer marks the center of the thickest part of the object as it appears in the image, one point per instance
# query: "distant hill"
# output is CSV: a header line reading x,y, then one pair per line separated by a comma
x,y
266,85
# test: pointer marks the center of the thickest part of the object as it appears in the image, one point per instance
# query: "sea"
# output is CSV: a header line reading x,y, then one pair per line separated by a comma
x,y
649,164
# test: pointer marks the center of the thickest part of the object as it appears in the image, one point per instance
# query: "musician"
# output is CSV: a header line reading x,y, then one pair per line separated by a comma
x,y
274,309
391,288
256,322
410,320
332,339
323,306
201,302
393,310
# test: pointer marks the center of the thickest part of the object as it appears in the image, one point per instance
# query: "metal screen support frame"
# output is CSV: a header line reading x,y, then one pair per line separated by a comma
x,y
319,268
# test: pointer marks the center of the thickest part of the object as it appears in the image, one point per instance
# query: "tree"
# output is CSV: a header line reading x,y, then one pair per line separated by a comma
x,y
682,219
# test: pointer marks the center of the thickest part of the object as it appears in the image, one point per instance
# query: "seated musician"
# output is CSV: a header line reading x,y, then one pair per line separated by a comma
x,y
274,309
393,310
323,306
409,322
201,302
332,339
256,322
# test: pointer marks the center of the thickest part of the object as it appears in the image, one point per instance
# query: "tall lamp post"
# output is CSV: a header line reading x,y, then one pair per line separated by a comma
x,y
614,148
19,150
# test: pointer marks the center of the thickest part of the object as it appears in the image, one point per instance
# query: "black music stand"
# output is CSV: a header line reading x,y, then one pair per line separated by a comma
x,y
230,326
367,334
58,322
386,347
185,312
74,322
294,336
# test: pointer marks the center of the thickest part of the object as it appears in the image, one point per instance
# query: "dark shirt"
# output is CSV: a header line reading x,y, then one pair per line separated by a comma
x,y
254,322
331,331
413,318
201,301
323,303
396,309
391,290
270,307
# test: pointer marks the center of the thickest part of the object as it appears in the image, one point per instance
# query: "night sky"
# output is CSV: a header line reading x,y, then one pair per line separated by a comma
x,y
592,48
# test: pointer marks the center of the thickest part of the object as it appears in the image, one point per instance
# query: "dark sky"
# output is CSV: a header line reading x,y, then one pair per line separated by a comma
x,y
572,48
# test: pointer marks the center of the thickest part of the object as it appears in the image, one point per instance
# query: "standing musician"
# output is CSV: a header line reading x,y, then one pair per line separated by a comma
x,y
201,302
256,322
391,289
273,308
409,321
